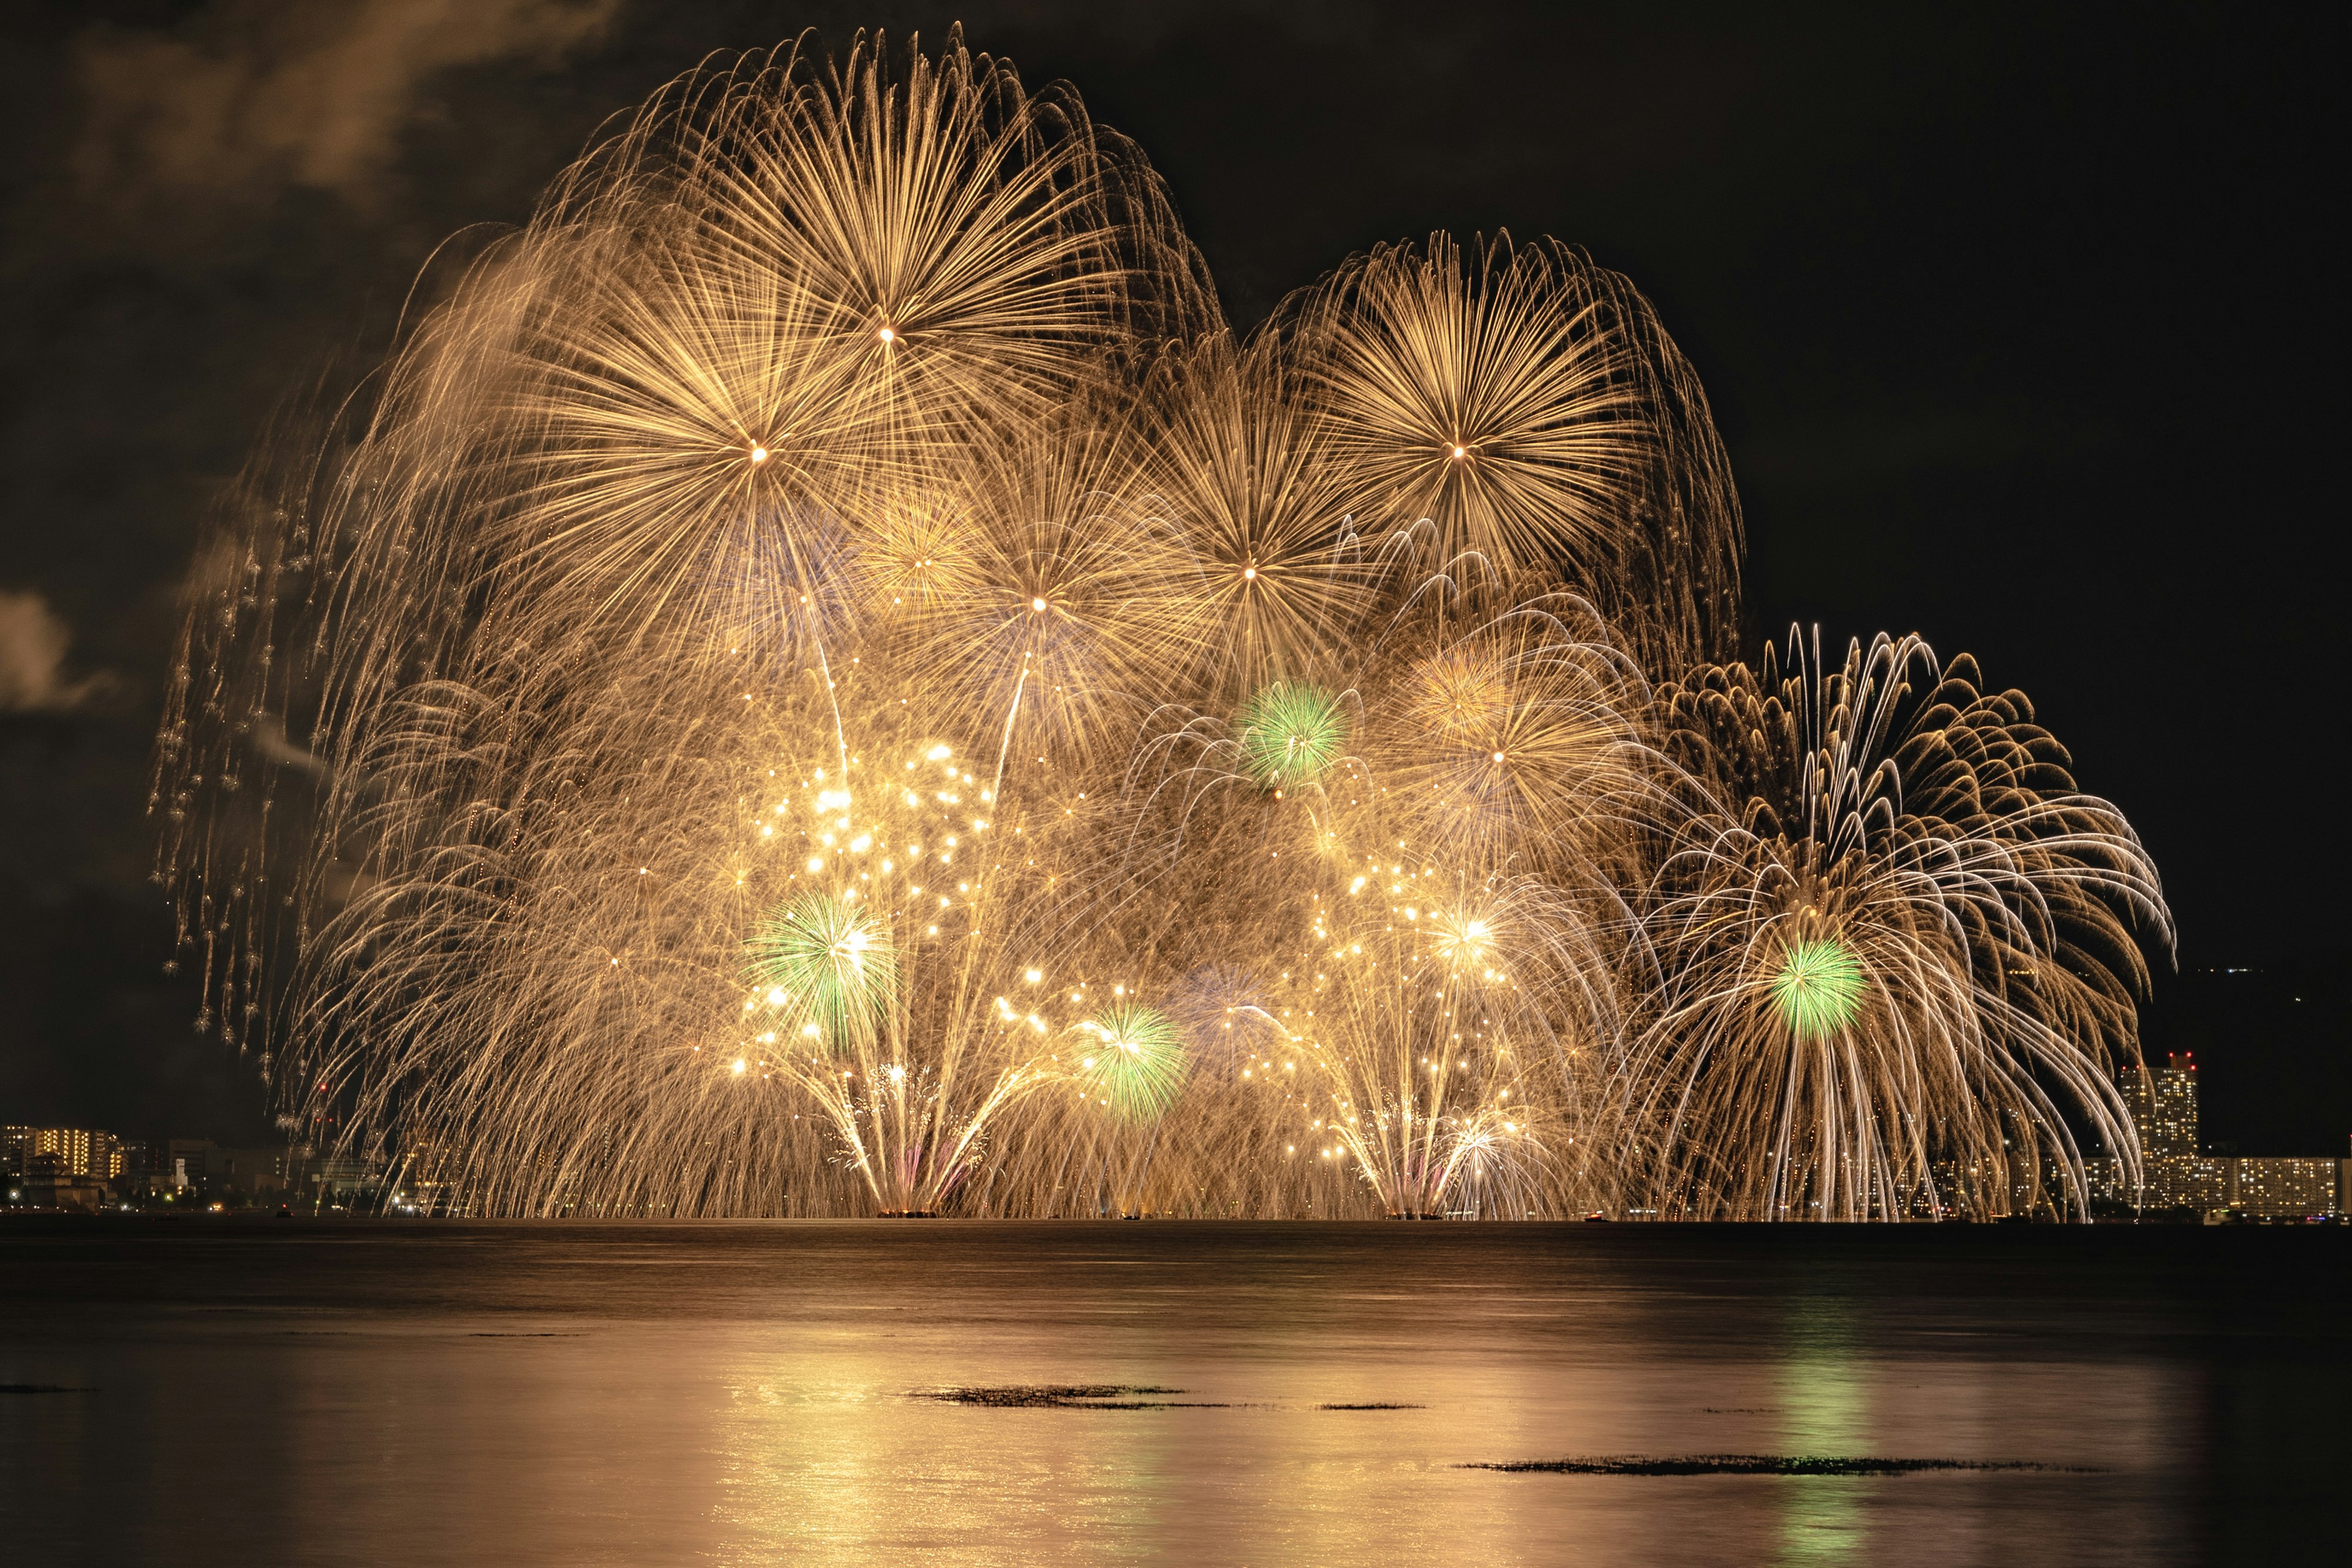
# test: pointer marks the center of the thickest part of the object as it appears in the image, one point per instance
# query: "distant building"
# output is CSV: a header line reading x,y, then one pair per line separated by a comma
x,y
2170,1133
186,1163
2285,1189
81,1152
54,1191
2138,1087
60,1150
59,1167
79,1167
2163,1108
339,1180
254,1172
2111,1181
2178,1173
138,1158
2175,1174
2202,1182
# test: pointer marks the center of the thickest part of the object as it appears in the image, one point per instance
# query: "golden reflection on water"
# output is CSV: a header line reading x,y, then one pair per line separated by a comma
x,y
826,1455
858,1466
753,1398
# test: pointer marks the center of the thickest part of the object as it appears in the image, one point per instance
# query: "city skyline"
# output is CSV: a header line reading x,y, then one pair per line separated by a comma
x,y
2183,1176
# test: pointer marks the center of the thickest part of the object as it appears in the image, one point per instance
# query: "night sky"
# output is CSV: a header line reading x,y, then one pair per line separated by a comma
x,y
2015,324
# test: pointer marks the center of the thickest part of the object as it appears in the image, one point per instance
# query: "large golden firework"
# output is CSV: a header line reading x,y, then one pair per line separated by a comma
x,y
823,679
1516,408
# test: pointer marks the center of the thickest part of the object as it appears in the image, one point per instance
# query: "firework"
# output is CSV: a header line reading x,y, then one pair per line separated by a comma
x,y
829,961
1133,1059
1290,733
1518,408
823,679
1238,458
1899,948
1818,989
1513,741
1426,1013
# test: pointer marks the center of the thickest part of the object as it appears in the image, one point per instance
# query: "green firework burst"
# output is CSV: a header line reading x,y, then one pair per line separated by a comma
x,y
1134,1058
834,962
1819,988
1291,733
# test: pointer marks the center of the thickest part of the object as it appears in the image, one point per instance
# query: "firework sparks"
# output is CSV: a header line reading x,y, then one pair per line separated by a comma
x,y
1897,975
1134,1059
1819,988
824,622
1290,733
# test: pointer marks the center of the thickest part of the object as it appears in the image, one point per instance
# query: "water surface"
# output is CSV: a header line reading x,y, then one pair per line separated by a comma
x,y
232,1391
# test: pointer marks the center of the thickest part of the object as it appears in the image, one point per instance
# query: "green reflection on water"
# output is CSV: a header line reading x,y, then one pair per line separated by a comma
x,y
1826,1410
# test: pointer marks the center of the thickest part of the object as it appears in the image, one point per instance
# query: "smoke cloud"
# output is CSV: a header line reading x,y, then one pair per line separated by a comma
x,y
257,94
32,643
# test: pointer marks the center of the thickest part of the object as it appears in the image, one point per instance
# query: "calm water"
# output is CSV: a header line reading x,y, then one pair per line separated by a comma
x,y
281,1393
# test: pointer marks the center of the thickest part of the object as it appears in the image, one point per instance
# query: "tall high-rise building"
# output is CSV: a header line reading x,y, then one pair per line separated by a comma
x,y
2171,1129
2138,1091
2163,1106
